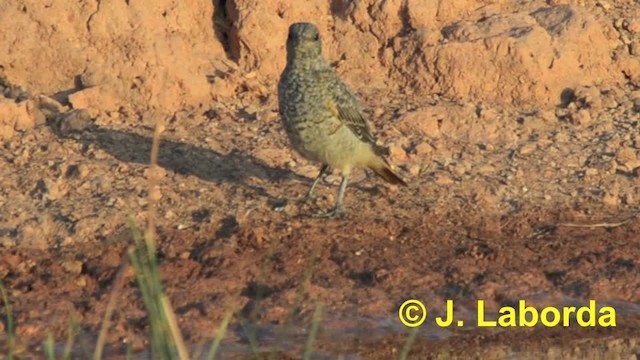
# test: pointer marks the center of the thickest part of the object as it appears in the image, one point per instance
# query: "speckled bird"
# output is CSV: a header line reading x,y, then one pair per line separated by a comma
x,y
322,117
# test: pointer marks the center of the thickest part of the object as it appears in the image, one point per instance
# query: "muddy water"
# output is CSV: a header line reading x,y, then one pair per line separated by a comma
x,y
336,328
344,335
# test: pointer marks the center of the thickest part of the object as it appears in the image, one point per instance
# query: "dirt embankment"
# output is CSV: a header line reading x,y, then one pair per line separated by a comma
x,y
162,56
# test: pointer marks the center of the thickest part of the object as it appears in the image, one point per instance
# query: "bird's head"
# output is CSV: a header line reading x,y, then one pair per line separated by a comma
x,y
303,41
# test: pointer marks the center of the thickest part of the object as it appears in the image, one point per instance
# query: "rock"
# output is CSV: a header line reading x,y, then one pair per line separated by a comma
x,y
626,155
415,169
591,172
37,115
81,281
49,107
7,242
488,114
17,116
32,235
528,148
486,169
11,91
588,97
634,25
459,170
630,66
634,47
581,117
422,14
627,158
77,171
611,199
95,99
72,266
425,121
548,116
397,154
443,179
47,189
635,98
423,149
273,156
155,173
74,121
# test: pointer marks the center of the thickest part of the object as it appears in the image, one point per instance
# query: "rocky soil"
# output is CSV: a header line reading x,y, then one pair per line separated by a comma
x,y
514,122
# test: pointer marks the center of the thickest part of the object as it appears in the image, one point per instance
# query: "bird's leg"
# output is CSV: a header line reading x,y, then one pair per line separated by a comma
x,y
338,209
323,171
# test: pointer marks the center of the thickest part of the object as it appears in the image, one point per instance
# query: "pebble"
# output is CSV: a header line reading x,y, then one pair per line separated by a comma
x,y
633,25
443,179
397,153
486,169
634,47
72,266
626,155
81,281
581,117
415,169
610,199
423,149
591,172
588,96
528,148
618,23
636,105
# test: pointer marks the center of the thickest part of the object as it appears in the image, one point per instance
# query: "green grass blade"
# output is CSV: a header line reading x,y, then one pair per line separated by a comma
x,y
315,325
49,348
222,331
71,336
408,344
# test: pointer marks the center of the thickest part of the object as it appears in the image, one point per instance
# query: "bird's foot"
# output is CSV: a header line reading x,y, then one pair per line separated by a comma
x,y
336,212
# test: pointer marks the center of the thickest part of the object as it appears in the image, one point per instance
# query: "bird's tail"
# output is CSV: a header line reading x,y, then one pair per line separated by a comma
x,y
381,168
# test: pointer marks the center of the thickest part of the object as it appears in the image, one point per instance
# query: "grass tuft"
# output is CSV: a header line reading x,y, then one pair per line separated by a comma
x,y
166,340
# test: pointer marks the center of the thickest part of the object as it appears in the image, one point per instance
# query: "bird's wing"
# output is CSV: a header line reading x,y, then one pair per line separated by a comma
x,y
346,108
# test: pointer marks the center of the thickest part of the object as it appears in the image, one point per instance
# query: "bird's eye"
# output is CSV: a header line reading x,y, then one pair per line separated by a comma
x,y
316,37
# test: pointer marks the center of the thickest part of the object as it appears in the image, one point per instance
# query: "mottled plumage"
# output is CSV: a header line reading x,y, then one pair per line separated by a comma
x,y
323,119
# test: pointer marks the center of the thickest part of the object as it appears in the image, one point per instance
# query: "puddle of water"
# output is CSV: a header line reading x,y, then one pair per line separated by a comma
x,y
338,328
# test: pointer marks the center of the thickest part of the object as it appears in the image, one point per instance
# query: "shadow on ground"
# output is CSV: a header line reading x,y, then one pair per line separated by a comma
x,y
182,158
187,159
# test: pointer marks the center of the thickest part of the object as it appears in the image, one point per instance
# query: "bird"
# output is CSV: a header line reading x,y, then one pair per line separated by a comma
x,y
323,119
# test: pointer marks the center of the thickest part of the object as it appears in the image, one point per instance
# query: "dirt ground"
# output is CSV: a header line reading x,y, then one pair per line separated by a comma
x,y
514,123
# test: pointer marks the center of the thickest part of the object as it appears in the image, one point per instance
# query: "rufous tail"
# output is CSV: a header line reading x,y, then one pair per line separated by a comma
x,y
382,169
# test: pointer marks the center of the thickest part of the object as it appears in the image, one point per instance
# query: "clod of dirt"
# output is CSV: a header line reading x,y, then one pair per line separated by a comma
x,y
11,91
635,97
588,97
73,121
581,117
72,266
96,99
